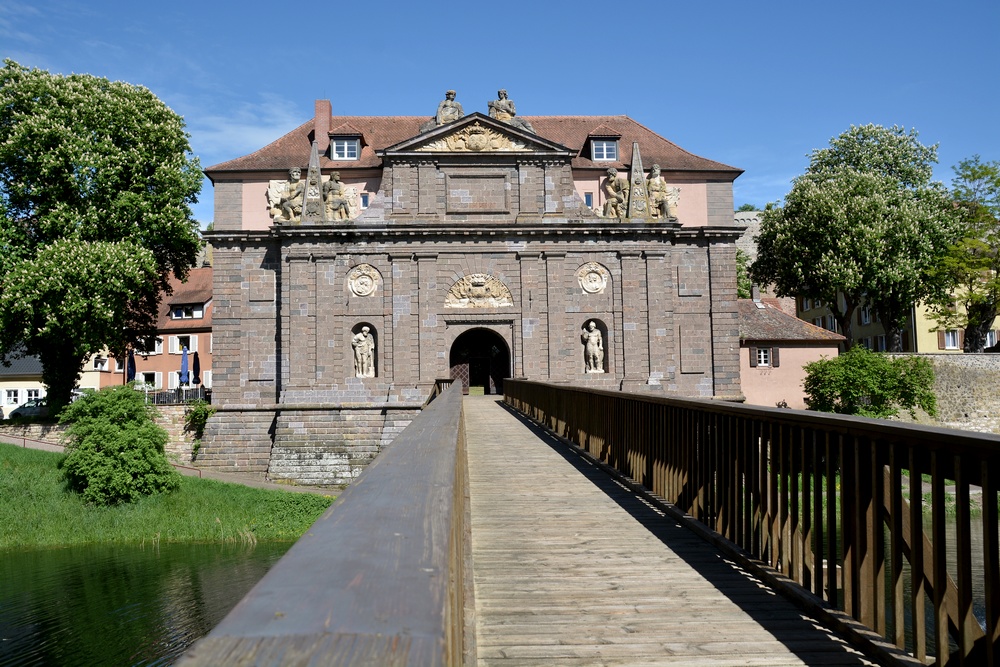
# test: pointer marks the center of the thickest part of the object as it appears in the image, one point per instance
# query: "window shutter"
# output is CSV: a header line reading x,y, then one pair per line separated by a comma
x,y
172,345
194,343
940,339
206,379
172,380
774,357
753,357
159,380
961,339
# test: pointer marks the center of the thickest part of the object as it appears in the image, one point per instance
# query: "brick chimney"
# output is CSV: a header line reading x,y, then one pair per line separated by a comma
x,y
321,125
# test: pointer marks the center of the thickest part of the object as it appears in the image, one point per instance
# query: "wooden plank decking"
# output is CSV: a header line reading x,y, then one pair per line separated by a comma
x,y
571,568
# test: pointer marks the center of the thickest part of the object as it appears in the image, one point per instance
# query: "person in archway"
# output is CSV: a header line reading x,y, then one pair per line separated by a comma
x,y
593,348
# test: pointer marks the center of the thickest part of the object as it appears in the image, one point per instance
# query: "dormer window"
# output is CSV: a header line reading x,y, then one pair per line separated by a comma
x,y
195,312
604,150
345,148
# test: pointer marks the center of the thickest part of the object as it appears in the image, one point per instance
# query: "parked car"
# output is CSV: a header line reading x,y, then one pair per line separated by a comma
x,y
35,407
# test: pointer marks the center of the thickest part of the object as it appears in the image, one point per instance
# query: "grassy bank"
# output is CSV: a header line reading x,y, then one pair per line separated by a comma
x,y
37,510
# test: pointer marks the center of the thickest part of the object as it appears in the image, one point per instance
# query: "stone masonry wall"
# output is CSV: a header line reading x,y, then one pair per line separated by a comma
x,y
332,447
966,390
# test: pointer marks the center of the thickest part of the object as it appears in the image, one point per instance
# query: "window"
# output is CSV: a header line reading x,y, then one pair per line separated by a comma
x,y
831,323
12,396
100,363
188,312
880,344
588,198
806,303
149,380
866,315
157,348
604,150
33,394
344,149
991,338
951,339
763,357
364,200
178,343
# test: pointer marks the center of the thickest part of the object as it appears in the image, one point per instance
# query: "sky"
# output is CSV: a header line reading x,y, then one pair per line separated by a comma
x,y
755,85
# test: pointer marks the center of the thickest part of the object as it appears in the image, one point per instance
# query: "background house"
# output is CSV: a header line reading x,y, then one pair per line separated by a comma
x,y
774,347
20,381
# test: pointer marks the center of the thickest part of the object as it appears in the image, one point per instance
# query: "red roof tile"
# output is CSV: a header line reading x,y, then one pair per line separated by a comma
x,y
772,324
379,132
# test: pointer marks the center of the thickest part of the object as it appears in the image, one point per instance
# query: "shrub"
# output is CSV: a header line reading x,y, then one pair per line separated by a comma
x,y
861,382
197,416
115,451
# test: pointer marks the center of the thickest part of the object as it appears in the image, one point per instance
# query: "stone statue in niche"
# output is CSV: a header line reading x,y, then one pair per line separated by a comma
x,y
448,110
478,290
503,109
662,198
337,204
593,278
285,197
364,353
616,195
593,348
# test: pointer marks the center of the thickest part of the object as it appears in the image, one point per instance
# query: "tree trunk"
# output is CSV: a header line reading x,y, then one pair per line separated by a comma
x,y
980,318
62,364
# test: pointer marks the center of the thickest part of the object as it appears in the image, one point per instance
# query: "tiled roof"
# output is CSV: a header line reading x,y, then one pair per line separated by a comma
x,y
771,324
379,132
197,290
26,365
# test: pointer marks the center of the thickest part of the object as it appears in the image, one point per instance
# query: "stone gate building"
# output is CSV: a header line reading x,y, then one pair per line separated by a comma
x,y
358,259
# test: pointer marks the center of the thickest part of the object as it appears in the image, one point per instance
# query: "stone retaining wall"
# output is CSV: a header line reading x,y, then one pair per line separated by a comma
x,y
966,386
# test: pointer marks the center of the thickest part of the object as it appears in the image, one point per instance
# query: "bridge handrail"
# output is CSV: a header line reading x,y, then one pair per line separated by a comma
x,y
798,491
382,577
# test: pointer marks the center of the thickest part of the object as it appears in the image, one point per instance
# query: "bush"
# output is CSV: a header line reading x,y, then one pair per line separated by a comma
x,y
115,451
197,416
861,382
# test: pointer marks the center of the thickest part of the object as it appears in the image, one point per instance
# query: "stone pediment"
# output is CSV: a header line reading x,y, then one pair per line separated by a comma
x,y
477,133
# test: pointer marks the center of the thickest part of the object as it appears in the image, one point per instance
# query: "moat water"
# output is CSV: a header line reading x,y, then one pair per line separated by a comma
x,y
120,605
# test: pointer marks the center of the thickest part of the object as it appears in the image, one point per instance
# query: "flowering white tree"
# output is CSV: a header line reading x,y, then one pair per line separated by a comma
x,y
864,224
96,183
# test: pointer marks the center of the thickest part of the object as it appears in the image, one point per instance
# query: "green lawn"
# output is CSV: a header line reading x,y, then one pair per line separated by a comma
x,y
36,509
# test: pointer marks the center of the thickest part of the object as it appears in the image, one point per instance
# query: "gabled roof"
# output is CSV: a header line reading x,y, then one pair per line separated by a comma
x,y
381,132
770,324
532,142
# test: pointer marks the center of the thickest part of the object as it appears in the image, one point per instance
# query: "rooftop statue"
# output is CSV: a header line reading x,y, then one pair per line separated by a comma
x,y
616,195
448,110
662,199
503,109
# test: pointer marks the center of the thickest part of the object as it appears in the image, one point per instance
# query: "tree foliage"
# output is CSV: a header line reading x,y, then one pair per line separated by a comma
x,y
866,383
864,223
969,273
744,286
115,451
102,169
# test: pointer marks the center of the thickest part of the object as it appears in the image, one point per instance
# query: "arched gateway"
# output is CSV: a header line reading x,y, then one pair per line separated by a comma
x,y
471,245
480,358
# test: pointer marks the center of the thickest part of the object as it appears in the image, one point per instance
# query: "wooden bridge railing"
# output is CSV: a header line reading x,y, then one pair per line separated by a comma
x,y
839,505
382,578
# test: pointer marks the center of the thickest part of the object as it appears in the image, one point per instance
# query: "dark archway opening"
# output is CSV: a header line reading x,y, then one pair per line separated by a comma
x,y
480,358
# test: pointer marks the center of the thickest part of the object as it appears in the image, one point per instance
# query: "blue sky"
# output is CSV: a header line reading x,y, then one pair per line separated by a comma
x,y
756,85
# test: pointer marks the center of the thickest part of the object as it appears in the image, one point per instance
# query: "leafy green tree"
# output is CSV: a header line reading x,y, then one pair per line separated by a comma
x,y
115,451
96,183
866,383
746,207
864,224
970,271
744,286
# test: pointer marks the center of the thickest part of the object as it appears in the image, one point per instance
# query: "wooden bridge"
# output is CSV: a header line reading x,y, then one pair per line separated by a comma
x,y
501,543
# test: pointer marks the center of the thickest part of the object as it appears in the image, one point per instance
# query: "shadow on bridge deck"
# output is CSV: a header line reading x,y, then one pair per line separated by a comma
x,y
572,567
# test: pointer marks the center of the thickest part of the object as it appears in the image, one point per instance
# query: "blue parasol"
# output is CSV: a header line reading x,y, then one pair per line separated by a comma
x,y
184,365
196,370
130,367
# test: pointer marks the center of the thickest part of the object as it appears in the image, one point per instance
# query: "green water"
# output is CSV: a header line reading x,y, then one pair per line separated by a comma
x,y
120,605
